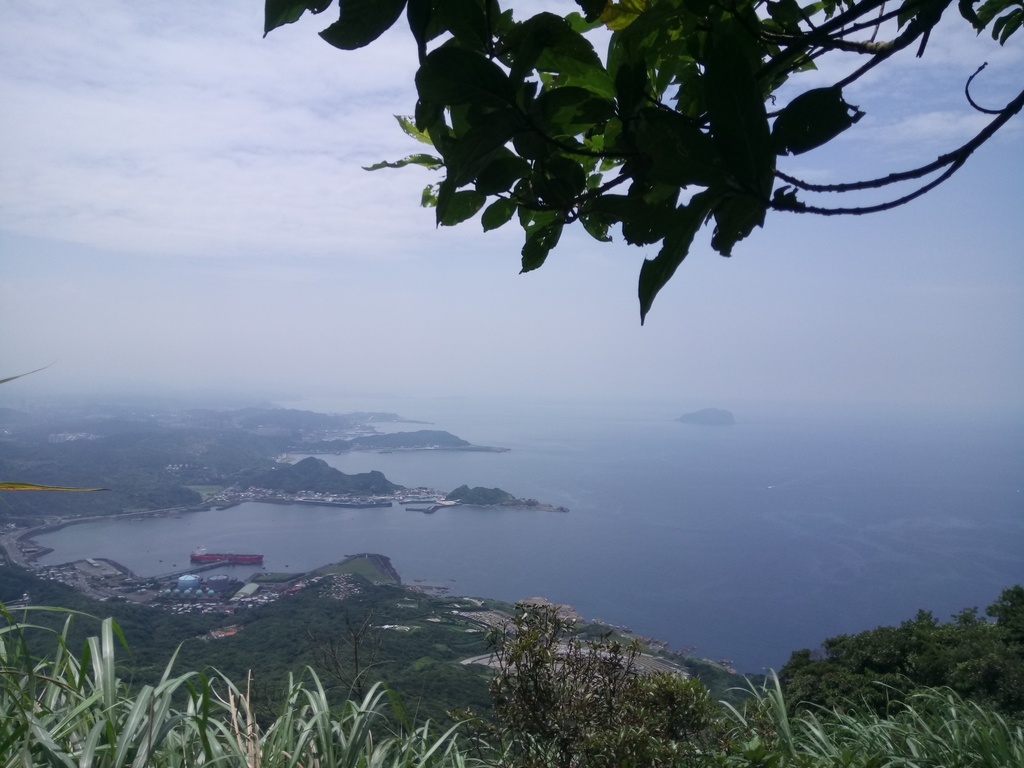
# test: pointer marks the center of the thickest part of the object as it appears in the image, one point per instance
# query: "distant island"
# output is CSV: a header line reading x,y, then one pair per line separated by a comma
x,y
713,417
495,497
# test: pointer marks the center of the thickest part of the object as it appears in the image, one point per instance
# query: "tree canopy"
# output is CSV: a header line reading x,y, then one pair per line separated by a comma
x,y
674,129
980,660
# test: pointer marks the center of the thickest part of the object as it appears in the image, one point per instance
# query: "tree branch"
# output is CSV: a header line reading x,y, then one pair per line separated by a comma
x,y
868,24
813,39
912,32
957,156
833,43
801,208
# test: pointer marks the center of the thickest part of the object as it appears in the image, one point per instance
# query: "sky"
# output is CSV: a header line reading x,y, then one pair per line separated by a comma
x,y
183,207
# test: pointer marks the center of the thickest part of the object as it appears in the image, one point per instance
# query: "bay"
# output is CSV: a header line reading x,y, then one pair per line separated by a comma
x,y
747,541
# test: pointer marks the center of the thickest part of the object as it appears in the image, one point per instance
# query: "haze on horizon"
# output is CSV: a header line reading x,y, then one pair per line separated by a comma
x,y
182,208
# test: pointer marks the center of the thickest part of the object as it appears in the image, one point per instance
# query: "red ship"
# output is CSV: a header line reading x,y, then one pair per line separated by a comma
x,y
202,556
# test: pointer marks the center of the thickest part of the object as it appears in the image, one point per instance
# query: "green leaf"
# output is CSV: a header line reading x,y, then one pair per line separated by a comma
x,y
689,97
735,218
498,176
596,225
277,13
620,15
812,119
445,193
420,15
630,88
408,125
533,220
643,222
531,145
739,122
461,206
594,79
966,8
548,42
539,244
572,110
1006,25
567,172
498,213
786,13
428,198
680,153
472,152
992,8
592,8
362,22
467,21
910,9
452,76
656,272
581,24
427,115
427,161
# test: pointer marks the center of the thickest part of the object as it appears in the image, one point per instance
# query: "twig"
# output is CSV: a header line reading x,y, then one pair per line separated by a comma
x,y
878,22
967,93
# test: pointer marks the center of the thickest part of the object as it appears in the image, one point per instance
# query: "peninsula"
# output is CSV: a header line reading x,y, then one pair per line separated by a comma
x,y
495,497
314,481
420,440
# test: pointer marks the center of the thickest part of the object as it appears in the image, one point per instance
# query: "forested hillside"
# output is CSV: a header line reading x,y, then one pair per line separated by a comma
x,y
981,660
316,475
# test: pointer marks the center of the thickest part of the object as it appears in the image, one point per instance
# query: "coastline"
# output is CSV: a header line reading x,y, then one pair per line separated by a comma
x,y
312,451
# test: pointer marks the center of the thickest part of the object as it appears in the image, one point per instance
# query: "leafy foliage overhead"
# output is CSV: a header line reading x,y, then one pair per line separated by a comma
x,y
674,129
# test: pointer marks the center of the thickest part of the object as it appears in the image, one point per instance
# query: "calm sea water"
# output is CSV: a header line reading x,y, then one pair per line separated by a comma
x,y
747,541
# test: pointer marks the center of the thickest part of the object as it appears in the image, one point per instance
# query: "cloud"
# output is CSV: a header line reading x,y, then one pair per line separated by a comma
x,y
191,135
948,128
178,130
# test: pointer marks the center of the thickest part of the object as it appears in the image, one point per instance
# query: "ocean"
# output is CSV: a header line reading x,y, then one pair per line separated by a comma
x,y
746,542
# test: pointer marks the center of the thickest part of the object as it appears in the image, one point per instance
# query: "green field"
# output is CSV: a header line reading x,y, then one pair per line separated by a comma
x,y
275,577
206,491
360,566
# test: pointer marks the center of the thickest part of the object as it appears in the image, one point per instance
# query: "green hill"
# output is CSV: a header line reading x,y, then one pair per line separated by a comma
x,y
316,475
481,497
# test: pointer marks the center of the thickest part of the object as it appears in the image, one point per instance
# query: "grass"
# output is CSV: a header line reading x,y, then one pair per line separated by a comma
x,y
360,566
206,491
933,728
276,578
66,711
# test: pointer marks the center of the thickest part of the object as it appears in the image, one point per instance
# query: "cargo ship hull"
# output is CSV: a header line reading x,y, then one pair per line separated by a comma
x,y
224,557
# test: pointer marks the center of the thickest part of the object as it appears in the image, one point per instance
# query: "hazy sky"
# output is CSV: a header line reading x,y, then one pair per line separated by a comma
x,y
182,206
